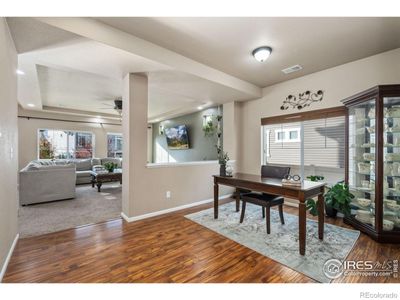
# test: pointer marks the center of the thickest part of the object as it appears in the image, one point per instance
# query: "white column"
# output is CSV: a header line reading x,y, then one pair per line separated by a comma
x,y
134,129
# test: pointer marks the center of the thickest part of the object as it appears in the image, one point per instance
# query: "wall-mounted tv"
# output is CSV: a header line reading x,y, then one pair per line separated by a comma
x,y
177,137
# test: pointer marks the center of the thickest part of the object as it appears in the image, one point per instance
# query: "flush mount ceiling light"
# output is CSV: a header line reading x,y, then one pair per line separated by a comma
x,y
31,105
262,53
20,72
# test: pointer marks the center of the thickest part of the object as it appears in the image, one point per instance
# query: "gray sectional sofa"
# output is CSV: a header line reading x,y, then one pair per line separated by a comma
x,y
49,180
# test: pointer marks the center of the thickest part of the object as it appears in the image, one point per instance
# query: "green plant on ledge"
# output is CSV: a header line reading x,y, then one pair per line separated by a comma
x,y
110,166
315,177
337,198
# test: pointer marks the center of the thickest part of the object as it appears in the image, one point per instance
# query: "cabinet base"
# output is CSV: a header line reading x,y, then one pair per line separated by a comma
x,y
392,237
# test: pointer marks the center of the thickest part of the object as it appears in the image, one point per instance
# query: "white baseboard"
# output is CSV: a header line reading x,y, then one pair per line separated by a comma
x,y
10,252
165,211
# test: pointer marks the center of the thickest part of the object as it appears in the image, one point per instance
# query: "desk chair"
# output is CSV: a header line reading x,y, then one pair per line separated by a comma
x,y
266,201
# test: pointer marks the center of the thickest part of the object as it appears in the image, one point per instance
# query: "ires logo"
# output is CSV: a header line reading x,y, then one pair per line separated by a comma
x,y
334,268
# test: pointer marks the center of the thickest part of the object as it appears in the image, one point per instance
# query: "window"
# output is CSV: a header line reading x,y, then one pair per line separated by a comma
x,y
282,143
294,135
62,144
323,143
114,145
287,135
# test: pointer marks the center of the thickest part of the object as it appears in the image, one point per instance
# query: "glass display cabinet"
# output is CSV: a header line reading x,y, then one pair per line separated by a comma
x,y
373,161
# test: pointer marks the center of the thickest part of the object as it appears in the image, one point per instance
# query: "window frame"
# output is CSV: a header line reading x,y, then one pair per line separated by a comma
x,y
116,134
66,130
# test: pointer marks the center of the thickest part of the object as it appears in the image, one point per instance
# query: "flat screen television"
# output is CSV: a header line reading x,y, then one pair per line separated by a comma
x,y
177,137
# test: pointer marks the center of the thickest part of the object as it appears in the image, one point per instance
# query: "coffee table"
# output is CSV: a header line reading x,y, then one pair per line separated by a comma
x,y
100,177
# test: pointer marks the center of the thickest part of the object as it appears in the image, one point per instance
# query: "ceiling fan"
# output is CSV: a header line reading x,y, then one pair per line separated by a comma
x,y
116,106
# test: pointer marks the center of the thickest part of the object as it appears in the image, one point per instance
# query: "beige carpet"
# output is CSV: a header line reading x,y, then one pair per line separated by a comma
x,y
88,207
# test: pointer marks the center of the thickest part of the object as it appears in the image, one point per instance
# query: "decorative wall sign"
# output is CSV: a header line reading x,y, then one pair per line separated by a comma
x,y
304,99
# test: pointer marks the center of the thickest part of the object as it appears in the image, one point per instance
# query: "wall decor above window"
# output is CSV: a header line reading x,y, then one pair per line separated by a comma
x,y
303,100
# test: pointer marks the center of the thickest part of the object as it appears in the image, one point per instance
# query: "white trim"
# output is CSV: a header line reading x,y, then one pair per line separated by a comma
x,y
188,163
168,210
10,252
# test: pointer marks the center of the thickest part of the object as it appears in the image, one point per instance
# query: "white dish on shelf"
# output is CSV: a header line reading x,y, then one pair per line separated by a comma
x,y
360,131
387,225
368,145
364,167
393,112
364,202
369,156
363,214
394,219
371,113
392,157
388,201
363,220
371,129
393,206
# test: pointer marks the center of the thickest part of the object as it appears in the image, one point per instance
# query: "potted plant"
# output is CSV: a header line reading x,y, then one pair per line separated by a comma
x,y
223,159
110,166
337,198
208,127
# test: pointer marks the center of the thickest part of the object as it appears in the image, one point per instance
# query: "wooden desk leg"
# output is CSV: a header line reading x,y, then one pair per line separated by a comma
x,y
216,200
302,227
321,216
237,197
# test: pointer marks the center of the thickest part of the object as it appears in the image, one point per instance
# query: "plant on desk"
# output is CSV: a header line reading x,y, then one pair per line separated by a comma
x,y
337,198
110,166
223,159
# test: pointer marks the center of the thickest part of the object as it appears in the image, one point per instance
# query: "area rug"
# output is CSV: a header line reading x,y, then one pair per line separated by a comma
x,y
282,243
87,207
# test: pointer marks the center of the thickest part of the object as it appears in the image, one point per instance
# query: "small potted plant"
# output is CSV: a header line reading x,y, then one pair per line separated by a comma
x,y
337,198
110,166
223,159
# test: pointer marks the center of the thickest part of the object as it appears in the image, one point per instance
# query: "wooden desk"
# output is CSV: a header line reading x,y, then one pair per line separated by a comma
x,y
274,186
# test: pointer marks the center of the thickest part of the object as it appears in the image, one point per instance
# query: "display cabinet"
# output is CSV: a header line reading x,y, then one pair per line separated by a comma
x,y
373,161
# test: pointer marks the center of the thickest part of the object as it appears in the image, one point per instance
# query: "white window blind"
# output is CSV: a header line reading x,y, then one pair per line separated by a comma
x,y
323,143
282,150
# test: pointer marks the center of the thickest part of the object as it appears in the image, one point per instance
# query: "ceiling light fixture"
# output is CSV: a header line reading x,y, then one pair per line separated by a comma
x,y
20,72
31,105
200,107
262,53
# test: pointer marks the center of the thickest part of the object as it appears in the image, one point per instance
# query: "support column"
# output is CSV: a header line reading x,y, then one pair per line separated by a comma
x,y
231,125
134,129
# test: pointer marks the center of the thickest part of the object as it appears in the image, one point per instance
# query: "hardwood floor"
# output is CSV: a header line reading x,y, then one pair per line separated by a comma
x,y
167,248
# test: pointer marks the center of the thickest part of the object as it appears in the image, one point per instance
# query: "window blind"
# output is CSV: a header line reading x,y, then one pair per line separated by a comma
x,y
324,143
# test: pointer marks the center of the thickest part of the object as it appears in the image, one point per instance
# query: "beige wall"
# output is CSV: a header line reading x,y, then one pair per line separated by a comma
x,y
8,143
144,188
28,130
337,84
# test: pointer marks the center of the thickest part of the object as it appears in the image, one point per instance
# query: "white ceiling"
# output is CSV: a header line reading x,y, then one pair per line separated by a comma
x,y
226,43
67,71
79,63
